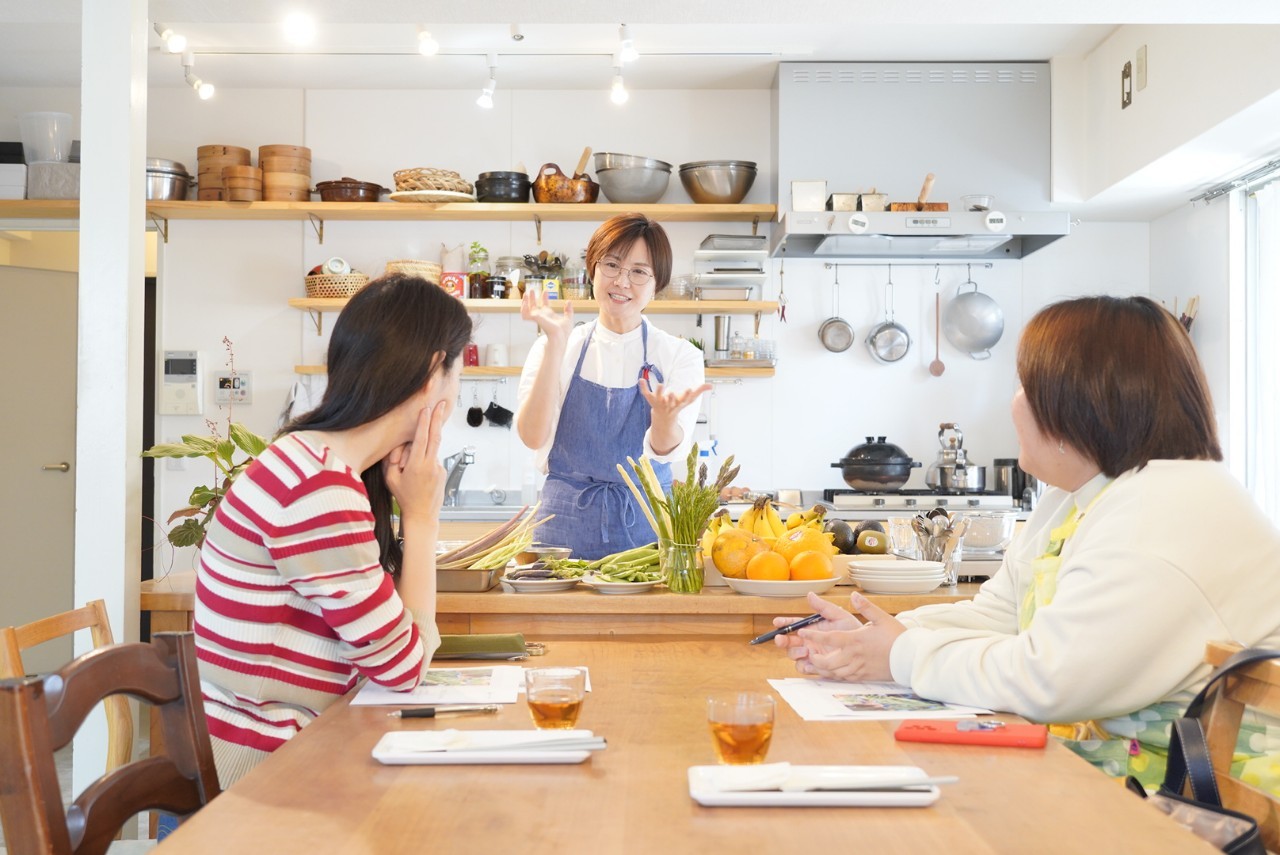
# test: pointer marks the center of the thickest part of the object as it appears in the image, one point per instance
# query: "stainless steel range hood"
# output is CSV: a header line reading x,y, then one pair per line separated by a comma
x,y
945,235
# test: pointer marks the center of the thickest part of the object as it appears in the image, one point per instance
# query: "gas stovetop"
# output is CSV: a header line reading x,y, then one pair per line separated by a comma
x,y
846,499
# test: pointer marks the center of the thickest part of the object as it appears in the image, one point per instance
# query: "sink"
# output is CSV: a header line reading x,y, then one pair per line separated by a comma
x,y
479,505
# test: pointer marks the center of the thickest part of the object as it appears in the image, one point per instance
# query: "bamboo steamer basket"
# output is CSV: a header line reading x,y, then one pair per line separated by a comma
x,y
335,284
242,184
209,194
212,159
233,152
244,194
285,164
301,152
428,270
275,194
285,181
229,172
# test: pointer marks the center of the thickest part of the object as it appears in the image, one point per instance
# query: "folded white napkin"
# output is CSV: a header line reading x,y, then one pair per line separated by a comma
x,y
788,778
461,741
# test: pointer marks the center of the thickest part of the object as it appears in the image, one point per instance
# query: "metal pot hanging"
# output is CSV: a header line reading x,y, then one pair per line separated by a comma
x,y
973,321
835,333
888,341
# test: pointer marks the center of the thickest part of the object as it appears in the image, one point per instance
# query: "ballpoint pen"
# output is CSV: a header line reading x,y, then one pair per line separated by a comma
x,y
436,712
786,630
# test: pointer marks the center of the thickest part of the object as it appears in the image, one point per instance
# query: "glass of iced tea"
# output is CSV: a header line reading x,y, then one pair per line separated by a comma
x,y
741,726
555,696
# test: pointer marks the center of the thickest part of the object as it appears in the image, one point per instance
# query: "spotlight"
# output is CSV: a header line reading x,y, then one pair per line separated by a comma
x,y
427,46
486,95
626,47
204,90
618,93
517,34
299,28
173,42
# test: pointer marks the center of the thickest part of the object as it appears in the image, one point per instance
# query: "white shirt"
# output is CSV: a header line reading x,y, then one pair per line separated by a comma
x,y
614,360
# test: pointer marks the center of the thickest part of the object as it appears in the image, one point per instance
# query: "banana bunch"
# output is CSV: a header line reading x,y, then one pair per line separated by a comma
x,y
812,517
762,520
717,524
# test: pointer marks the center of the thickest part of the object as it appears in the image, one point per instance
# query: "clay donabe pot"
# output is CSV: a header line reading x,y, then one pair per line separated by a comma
x,y
876,466
349,190
552,185
502,187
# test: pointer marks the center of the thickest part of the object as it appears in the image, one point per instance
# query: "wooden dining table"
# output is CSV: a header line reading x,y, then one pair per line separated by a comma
x,y
324,793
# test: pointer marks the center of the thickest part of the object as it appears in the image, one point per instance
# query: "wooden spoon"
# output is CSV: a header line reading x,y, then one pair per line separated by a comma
x,y
925,191
582,163
936,367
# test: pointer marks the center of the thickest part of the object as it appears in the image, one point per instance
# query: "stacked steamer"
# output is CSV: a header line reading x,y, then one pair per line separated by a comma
x,y
241,183
286,173
211,161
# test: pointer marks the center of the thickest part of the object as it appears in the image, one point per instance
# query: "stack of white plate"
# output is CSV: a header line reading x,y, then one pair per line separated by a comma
x,y
896,577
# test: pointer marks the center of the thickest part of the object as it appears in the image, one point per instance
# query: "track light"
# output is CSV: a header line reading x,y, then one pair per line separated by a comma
x,y
618,93
517,33
173,42
486,95
204,90
299,28
427,46
626,46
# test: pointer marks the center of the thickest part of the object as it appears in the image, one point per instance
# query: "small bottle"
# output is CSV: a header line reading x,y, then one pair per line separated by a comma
x,y
737,346
478,272
574,280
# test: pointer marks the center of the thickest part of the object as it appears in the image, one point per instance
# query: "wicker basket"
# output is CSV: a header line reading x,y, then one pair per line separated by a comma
x,y
335,284
428,270
431,179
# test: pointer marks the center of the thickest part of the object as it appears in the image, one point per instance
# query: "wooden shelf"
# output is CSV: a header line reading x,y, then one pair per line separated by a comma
x,y
665,307
395,211
514,371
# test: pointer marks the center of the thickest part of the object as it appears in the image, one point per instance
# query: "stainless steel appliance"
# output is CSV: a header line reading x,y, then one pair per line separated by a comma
x,y
916,500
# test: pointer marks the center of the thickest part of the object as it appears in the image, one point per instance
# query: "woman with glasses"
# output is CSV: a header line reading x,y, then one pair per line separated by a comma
x,y
592,395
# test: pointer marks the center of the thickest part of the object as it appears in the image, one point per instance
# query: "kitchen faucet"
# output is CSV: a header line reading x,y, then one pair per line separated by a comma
x,y
455,465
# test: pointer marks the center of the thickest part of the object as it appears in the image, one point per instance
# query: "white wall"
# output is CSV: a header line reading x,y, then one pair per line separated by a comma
x,y
232,279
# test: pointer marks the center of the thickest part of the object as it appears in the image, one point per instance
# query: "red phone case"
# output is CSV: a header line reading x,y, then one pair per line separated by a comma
x,y
973,732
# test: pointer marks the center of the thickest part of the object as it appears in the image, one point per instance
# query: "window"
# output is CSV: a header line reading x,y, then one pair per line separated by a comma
x,y
1262,359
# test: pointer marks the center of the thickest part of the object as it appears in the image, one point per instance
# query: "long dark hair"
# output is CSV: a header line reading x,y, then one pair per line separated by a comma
x,y
384,348
1118,378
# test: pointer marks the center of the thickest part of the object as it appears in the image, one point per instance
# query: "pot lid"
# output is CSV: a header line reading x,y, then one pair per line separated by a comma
x,y
876,451
349,183
503,176
159,164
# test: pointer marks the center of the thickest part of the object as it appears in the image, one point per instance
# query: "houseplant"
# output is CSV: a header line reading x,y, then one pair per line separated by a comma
x,y
204,500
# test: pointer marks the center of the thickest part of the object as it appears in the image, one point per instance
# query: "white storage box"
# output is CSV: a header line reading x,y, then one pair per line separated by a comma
x,y
13,180
808,195
51,180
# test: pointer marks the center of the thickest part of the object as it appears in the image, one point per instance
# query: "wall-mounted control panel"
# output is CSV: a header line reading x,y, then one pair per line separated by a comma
x,y
233,388
181,391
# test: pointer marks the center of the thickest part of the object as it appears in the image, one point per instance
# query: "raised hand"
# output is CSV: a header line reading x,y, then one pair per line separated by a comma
x,y
534,306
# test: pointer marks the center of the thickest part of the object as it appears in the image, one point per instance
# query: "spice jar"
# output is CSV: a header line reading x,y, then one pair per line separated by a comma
x,y
478,272
497,287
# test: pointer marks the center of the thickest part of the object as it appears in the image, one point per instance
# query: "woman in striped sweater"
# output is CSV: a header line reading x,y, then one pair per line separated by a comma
x,y
302,587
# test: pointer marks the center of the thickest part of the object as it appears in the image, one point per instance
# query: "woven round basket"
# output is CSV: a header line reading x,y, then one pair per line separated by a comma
x,y
431,179
335,284
428,270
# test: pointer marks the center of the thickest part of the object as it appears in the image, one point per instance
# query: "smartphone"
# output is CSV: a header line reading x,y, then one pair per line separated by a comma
x,y
973,732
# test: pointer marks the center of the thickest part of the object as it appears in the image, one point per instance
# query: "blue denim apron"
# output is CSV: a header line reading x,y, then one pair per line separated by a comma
x,y
599,427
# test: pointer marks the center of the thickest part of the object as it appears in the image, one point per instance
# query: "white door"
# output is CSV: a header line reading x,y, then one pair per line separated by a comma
x,y
37,438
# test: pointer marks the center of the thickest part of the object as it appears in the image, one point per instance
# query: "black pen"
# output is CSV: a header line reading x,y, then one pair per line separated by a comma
x,y
436,712
786,630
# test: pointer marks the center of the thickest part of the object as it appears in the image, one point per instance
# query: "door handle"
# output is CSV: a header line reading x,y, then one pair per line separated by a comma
x,y
61,467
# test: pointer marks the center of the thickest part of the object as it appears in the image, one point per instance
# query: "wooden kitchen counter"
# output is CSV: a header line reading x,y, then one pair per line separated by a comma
x,y
582,612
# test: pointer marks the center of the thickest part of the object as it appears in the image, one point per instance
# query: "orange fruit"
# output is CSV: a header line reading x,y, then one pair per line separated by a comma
x,y
733,548
804,539
768,566
811,565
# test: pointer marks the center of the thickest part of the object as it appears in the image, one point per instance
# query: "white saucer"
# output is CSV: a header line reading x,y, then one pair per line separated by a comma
x,y
537,586
607,587
430,196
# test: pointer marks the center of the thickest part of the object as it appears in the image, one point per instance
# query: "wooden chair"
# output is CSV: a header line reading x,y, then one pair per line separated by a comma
x,y
39,715
93,617
1258,687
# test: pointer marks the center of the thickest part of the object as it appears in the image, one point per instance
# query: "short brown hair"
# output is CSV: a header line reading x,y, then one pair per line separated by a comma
x,y
1119,380
618,234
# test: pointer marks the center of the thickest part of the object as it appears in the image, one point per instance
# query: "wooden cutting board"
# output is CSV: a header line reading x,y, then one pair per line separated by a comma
x,y
921,204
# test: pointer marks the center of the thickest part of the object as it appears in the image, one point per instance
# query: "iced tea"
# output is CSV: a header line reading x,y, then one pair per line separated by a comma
x,y
741,726
555,708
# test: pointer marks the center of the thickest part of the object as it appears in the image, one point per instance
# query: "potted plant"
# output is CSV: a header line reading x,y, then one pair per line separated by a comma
x,y
204,500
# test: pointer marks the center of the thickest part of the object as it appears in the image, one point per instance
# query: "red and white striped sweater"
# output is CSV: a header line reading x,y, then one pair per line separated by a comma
x,y
292,604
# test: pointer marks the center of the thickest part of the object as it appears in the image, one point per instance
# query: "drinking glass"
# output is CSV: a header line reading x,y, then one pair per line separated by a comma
x,y
902,537
741,726
555,696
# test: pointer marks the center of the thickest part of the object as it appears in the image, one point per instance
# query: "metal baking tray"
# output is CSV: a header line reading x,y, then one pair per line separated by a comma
x,y
469,581
734,242
723,292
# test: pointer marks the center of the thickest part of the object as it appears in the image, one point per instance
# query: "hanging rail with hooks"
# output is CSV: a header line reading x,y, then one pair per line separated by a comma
x,y
828,265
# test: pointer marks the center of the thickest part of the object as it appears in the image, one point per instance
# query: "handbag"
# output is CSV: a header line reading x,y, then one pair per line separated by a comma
x,y
1202,813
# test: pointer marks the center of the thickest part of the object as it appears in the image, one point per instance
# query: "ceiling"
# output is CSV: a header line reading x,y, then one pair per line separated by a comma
x,y
571,44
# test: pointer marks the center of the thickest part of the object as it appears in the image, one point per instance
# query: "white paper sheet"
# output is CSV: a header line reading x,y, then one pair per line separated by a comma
x,y
832,700
493,684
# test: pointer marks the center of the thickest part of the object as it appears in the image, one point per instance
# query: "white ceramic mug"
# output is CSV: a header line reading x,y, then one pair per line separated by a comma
x,y
495,355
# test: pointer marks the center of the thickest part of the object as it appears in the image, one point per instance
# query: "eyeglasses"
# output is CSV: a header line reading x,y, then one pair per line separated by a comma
x,y
637,276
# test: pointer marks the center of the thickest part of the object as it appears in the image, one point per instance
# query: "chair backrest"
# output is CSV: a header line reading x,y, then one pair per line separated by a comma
x,y
93,617
39,715
1258,687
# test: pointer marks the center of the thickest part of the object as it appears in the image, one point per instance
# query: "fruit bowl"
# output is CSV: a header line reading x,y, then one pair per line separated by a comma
x,y
790,588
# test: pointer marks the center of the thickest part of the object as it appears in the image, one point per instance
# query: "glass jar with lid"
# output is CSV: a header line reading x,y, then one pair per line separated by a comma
x,y
512,268
680,288
478,272
573,281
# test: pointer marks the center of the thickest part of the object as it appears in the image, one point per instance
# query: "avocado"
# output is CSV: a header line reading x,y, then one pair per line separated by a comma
x,y
865,525
845,540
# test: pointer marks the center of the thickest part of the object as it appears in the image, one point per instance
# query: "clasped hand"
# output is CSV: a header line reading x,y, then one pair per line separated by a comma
x,y
841,647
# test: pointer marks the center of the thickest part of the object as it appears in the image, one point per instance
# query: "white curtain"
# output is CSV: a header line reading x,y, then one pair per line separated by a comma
x,y
1262,364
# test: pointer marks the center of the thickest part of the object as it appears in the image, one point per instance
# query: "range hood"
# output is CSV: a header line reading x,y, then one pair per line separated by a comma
x,y
943,235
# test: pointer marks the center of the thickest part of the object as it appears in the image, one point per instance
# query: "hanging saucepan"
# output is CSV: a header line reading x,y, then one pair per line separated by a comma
x,y
888,341
973,321
835,333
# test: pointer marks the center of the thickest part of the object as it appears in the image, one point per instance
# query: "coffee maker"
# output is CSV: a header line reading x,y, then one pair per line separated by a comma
x,y
1025,488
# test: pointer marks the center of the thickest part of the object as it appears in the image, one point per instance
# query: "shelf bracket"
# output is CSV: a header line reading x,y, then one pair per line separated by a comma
x,y
755,225
161,224
317,318
537,225
318,225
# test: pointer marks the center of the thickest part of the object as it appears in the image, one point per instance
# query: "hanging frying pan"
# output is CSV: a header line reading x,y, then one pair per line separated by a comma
x,y
889,341
835,333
